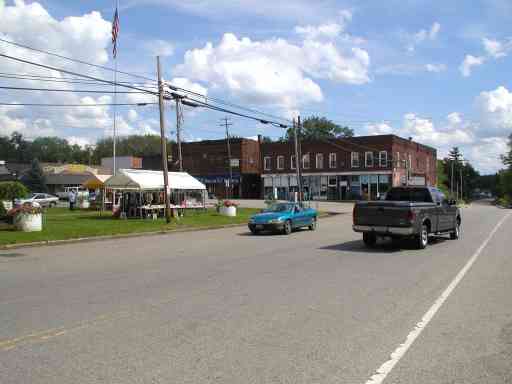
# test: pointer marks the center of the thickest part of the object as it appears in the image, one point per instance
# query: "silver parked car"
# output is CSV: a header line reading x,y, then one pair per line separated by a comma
x,y
43,199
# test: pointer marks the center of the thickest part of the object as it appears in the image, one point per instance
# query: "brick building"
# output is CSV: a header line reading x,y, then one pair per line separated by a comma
x,y
343,169
207,161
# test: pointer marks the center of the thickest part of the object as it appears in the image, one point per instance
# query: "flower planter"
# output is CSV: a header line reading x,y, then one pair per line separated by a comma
x,y
228,211
28,222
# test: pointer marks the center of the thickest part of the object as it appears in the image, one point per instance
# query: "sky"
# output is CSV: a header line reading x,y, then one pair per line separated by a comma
x,y
436,71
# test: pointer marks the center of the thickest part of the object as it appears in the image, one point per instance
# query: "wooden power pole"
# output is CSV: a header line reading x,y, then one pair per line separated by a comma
x,y
297,161
226,124
163,142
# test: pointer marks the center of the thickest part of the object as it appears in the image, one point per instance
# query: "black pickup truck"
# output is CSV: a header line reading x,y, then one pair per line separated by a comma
x,y
415,212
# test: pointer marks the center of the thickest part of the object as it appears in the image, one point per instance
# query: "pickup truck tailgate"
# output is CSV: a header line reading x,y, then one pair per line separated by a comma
x,y
382,213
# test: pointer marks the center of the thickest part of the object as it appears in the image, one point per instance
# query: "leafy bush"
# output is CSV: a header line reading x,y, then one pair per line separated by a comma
x,y
10,190
3,212
505,201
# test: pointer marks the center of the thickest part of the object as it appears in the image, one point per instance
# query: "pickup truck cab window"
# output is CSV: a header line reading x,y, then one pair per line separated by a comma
x,y
419,195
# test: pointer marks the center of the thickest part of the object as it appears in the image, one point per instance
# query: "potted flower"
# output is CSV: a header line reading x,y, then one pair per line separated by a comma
x,y
27,217
228,208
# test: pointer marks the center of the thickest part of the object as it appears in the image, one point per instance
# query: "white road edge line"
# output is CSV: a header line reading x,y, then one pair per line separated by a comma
x,y
398,353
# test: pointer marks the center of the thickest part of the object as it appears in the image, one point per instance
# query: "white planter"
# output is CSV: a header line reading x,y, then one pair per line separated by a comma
x,y
85,204
29,222
228,211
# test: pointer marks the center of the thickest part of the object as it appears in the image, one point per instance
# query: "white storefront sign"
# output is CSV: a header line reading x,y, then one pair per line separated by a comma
x,y
417,180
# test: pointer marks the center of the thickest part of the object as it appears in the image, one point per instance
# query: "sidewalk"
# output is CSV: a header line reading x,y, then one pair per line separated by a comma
x,y
325,206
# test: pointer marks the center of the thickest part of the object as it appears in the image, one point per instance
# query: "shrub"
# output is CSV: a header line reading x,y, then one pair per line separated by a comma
x,y
505,201
10,190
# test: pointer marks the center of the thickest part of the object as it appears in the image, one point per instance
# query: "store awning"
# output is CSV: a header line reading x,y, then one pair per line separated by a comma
x,y
142,180
96,181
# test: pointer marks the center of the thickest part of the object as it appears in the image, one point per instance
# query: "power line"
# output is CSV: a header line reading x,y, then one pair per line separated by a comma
x,y
51,79
67,90
74,105
129,74
74,73
73,60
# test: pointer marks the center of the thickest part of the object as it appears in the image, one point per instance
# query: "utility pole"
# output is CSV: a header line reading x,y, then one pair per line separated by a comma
x,y
178,131
297,161
451,181
163,141
226,123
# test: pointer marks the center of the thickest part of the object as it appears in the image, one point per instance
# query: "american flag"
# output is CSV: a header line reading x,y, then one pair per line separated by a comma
x,y
115,33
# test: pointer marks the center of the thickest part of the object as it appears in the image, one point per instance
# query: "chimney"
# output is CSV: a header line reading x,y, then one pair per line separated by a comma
x,y
259,139
410,138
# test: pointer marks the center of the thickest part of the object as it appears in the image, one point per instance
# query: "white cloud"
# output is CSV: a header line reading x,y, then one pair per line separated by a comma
x,y
469,62
422,35
434,31
379,129
410,69
270,9
435,67
85,37
274,71
80,141
132,115
495,109
185,83
495,48
329,30
485,154
159,48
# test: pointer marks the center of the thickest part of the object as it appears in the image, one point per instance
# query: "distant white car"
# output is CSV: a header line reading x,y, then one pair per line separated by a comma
x,y
43,199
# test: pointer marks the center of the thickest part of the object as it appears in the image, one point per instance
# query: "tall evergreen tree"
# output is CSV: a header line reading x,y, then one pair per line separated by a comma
x,y
34,179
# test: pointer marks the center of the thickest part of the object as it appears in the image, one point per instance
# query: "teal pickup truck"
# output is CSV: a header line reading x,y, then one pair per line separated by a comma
x,y
283,217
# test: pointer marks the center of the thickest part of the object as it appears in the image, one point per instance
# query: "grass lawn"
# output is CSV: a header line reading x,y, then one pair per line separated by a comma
x,y
61,223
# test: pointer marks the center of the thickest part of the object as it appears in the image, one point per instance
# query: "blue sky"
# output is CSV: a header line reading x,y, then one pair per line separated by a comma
x,y
433,70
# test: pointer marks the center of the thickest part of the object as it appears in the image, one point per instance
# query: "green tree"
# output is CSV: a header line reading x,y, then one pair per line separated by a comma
x,y
134,145
20,148
315,127
507,158
455,154
51,149
442,177
35,179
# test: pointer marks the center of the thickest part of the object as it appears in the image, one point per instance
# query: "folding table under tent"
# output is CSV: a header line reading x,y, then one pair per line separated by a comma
x,y
186,192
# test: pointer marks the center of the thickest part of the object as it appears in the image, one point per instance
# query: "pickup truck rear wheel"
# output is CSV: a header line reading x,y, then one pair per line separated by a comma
x,y
313,225
422,238
369,238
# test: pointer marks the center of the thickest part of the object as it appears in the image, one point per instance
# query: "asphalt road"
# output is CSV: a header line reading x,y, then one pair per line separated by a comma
x,y
225,307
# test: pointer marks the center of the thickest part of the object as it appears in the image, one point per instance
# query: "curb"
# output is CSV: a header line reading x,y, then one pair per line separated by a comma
x,y
130,235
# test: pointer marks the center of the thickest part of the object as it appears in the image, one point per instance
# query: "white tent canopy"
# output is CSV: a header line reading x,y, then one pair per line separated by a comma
x,y
142,180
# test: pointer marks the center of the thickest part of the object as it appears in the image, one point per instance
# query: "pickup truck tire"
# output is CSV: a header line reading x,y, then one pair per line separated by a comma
x,y
422,238
313,225
287,228
369,239
455,234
